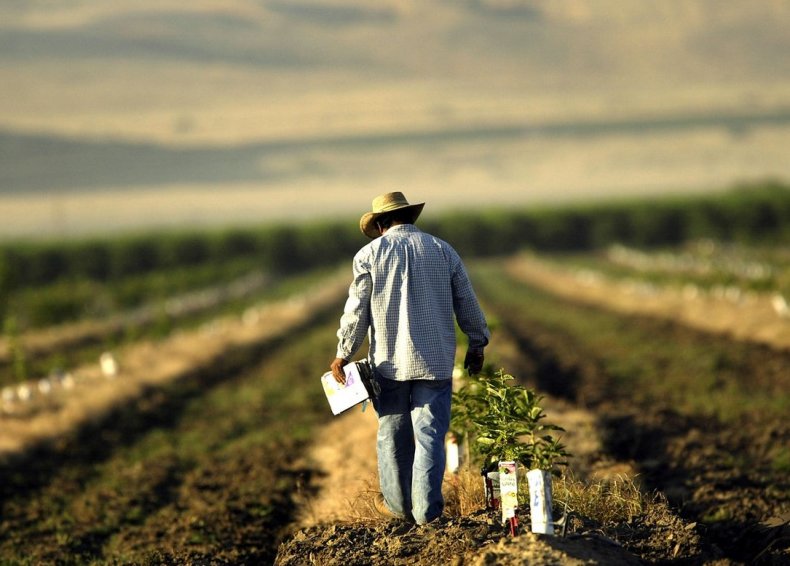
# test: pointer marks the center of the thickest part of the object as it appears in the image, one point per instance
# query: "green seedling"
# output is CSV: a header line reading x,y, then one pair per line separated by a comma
x,y
504,421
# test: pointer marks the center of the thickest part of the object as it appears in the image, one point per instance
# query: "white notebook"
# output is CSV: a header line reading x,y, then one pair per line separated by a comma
x,y
342,397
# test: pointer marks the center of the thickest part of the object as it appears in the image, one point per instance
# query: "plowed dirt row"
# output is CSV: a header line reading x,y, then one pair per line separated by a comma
x,y
148,365
752,319
722,475
202,469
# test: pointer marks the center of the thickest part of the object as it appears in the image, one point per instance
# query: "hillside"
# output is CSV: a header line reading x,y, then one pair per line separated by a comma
x,y
463,102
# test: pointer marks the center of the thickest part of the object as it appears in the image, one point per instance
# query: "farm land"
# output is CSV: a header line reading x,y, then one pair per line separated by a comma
x,y
158,391
658,332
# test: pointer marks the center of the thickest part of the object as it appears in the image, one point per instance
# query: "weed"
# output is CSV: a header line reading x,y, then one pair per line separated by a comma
x,y
463,493
463,496
609,502
18,358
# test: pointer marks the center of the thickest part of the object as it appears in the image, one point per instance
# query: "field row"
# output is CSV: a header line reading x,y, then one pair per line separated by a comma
x,y
734,309
207,465
701,416
36,357
703,374
203,469
719,268
90,390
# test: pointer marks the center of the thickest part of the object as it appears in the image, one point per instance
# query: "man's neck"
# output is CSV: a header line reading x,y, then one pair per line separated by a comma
x,y
384,231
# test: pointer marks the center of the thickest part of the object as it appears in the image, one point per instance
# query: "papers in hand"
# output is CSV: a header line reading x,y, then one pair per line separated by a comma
x,y
340,396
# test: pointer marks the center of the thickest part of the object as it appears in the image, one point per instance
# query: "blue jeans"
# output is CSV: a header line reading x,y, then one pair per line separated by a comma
x,y
413,420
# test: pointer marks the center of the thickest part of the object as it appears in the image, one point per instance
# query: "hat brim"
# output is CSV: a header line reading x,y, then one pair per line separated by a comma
x,y
368,221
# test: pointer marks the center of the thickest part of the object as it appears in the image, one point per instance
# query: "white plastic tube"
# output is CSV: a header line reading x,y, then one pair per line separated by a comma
x,y
540,501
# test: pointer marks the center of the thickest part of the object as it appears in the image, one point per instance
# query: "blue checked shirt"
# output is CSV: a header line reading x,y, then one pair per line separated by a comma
x,y
409,288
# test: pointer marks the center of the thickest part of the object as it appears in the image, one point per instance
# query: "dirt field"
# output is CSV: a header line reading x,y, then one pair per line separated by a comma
x,y
286,498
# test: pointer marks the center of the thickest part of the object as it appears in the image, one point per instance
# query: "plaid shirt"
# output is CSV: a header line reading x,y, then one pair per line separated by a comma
x,y
408,286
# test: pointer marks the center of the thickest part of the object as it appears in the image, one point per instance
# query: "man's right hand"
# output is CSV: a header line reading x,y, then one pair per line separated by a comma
x,y
337,369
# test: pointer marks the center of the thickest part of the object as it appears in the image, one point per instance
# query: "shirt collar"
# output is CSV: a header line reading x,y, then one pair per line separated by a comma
x,y
402,228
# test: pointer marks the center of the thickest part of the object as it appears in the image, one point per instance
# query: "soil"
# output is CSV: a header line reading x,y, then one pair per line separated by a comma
x,y
336,524
477,540
721,476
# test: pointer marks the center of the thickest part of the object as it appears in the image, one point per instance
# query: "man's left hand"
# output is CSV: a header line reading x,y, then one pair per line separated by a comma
x,y
473,362
337,370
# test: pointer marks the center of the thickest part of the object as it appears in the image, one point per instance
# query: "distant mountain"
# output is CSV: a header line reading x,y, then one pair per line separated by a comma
x,y
40,163
472,97
572,41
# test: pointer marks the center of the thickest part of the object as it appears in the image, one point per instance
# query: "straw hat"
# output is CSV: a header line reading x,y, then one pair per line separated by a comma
x,y
383,204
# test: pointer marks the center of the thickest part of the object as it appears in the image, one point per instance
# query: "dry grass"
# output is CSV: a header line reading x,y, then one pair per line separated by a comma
x,y
606,502
182,101
362,506
463,495
200,99
493,173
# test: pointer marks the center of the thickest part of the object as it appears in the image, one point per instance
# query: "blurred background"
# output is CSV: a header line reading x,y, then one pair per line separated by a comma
x,y
137,114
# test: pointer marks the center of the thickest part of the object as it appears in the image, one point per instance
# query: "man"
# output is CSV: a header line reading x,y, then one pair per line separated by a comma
x,y
409,288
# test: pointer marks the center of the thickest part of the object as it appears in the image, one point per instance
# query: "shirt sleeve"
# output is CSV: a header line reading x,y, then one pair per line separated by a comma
x,y
467,309
355,321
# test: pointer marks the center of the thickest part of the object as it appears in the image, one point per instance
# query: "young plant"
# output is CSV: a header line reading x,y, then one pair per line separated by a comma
x,y
502,421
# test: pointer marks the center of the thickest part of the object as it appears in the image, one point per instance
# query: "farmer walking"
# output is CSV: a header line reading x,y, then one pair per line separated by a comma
x,y
408,290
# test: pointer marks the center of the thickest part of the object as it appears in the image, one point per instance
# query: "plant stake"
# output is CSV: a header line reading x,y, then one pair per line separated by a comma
x,y
508,490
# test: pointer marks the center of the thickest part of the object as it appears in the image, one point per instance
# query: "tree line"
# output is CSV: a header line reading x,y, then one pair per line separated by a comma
x,y
753,213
